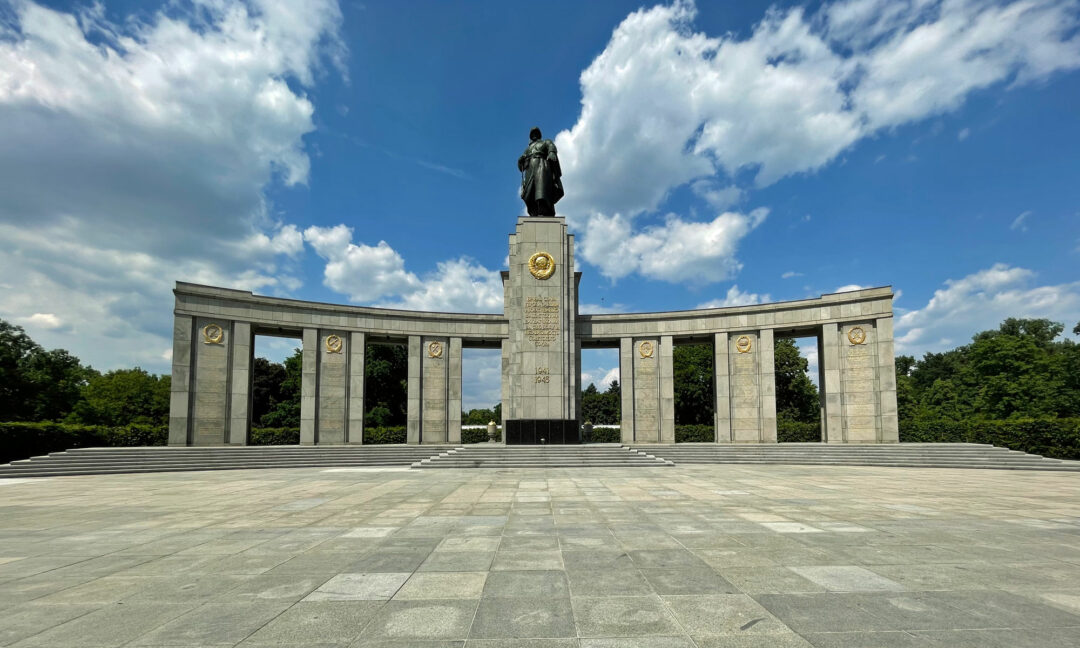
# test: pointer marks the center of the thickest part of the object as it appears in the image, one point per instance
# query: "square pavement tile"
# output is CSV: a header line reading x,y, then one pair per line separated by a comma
x,y
359,587
458,561
847,578
113,625
322,622
478,543
370,532
420,621
523,617
628,616
608,582
526,584
442,585
688,581
213,624
524,560
731,614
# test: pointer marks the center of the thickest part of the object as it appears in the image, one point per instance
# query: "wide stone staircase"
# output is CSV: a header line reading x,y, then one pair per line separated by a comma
x,y
913,455
99,461
543,456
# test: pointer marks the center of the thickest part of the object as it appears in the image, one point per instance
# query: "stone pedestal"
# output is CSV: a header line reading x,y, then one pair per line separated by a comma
x,y
859,382
542,360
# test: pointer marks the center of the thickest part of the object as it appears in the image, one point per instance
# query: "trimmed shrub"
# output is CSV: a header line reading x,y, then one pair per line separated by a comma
x,y
379,435
1057,438
478,435
797,432
25,440
274,436
603,435
694,433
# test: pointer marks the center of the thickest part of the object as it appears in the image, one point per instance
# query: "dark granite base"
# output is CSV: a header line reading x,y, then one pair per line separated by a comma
x,y
537,431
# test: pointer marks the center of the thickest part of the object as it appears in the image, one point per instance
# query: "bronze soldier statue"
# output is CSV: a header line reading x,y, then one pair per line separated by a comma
x,y
541,175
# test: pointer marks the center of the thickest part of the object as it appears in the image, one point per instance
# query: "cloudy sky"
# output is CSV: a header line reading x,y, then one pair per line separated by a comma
x,y
364,153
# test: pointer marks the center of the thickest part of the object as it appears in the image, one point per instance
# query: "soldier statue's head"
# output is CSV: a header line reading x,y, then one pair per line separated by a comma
x,y
534,134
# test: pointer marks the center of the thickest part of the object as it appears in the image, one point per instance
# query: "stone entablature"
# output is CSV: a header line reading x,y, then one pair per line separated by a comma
x,y
541,336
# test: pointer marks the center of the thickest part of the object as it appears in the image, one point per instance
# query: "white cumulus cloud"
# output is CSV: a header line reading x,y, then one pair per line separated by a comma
x,y
665,106
376,274
981,301
136,153
736,297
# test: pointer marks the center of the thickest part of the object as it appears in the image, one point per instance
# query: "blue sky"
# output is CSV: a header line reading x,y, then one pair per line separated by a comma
x,y
721,154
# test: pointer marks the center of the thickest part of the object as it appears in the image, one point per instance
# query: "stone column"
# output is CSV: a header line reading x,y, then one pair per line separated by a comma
x,y
240,398
333,376
180,392
541,308
434,383
744,350
453,391
721,386
667,390
767,386
211,381
505,384
414,395
357,349
890,424
626,385
646,359
861,420
309,389
829,383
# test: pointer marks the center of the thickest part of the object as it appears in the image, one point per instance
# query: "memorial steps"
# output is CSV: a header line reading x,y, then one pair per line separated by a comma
x,y
909,455
98,461
545,456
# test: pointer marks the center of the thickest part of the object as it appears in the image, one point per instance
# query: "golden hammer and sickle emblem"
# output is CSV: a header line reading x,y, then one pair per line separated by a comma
x,y
333,344
213,334
646,349
856,335
743,344
434,350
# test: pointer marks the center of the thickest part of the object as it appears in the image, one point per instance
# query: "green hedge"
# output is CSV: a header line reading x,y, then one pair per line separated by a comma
x,y
1057,438
694,433
602,435
797,432
379,435
478,435
25,440
274,436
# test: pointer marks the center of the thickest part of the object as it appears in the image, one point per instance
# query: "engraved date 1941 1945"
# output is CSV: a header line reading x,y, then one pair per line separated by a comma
x,y
543,375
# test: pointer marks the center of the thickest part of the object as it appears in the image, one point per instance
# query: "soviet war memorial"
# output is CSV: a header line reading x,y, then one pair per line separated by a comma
x,y
576,325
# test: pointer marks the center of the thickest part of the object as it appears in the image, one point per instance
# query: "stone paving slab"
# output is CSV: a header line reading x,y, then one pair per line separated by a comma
x,y
696,557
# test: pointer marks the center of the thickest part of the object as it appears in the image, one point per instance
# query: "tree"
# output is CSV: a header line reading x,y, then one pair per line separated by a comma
x,y
1019,370
267,379
693,377
796,395
478,417
601,408
386,384
35,384
285,413
122,397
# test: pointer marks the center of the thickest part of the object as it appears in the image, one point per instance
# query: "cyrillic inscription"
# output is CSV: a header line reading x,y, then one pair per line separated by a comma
x,y
542,320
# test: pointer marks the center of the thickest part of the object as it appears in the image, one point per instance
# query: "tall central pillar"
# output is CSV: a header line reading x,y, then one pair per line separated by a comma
x,y
541,306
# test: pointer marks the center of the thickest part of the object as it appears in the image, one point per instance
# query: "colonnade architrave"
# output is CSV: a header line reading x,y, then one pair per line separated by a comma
x,y
541,335
215,328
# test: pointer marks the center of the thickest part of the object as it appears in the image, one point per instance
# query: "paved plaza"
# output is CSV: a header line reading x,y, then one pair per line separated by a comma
x,y
709,556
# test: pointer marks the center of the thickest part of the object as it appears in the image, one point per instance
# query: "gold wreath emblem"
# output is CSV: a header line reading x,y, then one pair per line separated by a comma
x,y
541,265
213,334
434,350
743,344
333,344
646,349
856,335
